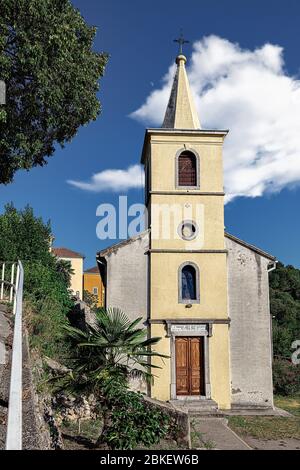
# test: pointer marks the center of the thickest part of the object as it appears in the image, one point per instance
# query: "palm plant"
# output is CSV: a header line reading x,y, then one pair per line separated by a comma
x,y
107,354
114,344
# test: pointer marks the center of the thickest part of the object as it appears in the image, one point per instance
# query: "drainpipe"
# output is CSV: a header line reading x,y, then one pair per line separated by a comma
x,y
272,267
102,266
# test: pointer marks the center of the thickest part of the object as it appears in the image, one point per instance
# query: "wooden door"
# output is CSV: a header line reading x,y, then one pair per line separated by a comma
x,y
182,365
189,366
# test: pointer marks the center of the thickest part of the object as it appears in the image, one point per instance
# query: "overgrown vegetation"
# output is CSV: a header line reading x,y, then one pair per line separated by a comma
x,y
85,438
286,377
90,299
132,422
106,356
285,310
102,357
46,280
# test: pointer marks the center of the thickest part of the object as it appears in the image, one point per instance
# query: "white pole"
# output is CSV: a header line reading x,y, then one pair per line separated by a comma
x,y
16,289
12,282
14,422
2,281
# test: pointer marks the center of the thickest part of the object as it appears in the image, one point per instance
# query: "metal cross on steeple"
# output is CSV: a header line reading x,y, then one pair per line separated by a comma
x,y
181,41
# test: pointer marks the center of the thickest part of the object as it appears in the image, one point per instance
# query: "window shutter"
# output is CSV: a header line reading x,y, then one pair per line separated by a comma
x,y
187,171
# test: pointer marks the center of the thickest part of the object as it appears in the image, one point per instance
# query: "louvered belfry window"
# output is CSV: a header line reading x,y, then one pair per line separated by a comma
x,y
187,169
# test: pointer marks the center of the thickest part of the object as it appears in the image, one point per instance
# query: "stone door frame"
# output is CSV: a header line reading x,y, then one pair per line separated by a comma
x,y
175,329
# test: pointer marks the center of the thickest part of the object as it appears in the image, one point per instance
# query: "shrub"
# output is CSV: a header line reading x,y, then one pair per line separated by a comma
x,y
47,304
90,299
133,422
286,377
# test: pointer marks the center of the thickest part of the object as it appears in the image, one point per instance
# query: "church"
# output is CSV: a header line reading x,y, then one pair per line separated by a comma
x,y
205,292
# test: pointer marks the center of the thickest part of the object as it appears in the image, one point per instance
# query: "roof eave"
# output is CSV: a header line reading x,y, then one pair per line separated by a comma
x,y
250,247
68,256
118,245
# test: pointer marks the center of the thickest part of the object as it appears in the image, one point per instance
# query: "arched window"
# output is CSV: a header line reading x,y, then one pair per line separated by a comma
x,y
188,283
187,169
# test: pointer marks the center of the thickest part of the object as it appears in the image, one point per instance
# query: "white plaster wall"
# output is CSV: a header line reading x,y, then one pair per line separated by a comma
x,y
127,278
250,328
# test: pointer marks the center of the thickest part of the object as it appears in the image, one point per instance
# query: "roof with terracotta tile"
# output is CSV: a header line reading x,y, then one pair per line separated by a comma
x,y
93,270
66,253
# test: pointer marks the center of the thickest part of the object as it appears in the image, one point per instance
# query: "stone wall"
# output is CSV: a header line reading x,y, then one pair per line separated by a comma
x,y
36,432
180,419
250,328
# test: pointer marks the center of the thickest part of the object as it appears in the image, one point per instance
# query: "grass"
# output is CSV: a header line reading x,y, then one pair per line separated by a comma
x,y
266,427
290,404
84,438
271,427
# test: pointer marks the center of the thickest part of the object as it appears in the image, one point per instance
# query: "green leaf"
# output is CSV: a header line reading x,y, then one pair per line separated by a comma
x,y
52,73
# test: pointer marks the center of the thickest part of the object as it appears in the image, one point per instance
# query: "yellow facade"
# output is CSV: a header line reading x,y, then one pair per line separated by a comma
x,y
164,286
76,277
168,252
220,366
92,283
206,210
160,389
164,148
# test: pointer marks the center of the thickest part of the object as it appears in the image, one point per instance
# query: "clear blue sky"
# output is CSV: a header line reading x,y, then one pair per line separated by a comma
x,y
139,37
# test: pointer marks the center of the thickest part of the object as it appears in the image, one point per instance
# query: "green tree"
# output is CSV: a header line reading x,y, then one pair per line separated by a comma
x,y
285,308
52,77
24,236
64,270
109,353
46,280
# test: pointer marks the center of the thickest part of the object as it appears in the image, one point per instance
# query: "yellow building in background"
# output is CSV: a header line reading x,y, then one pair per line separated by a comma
x,y
76,260
92,283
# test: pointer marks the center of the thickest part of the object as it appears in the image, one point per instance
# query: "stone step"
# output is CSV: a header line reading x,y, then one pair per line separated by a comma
x,y
197,407
249,407
205,414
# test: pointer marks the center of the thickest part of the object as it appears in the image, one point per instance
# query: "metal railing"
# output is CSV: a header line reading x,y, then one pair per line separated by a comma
x,y
12,291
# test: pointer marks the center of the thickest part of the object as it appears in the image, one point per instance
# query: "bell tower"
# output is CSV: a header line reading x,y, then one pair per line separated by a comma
x,y
187,257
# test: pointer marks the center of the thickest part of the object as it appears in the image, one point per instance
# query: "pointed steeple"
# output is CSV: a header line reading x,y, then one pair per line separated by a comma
x,y
181,111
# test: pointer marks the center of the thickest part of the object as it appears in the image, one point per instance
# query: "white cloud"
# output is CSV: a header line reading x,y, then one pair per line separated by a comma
x,y
113,180
250,93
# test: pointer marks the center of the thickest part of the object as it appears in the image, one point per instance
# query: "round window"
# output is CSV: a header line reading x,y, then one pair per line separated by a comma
x,y
188,230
